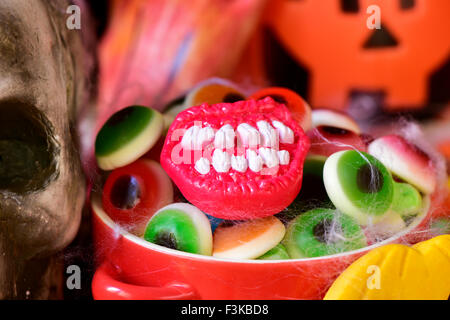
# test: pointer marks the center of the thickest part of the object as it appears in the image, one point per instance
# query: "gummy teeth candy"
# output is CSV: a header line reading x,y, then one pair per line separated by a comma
x,y
180,226
236,161
406,161
127,136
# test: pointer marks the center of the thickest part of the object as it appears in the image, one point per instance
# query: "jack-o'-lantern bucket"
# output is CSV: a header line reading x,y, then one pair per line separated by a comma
x,y
343,53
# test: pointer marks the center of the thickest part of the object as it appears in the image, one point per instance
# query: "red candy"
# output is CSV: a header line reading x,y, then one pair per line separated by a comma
x,y
132,194
218,174
299,108
406,161
327,140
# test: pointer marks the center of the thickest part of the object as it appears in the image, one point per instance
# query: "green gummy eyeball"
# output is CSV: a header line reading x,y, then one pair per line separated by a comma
x,y
127,135
322,232
440,226
358,185
180,226
407,199
314,189
313,193
279,252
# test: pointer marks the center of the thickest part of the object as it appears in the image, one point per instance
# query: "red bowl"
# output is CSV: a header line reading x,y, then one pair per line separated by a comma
x,y
131,268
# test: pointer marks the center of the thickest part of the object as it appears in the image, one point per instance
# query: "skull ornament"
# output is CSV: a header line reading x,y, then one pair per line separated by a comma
x,y
42,188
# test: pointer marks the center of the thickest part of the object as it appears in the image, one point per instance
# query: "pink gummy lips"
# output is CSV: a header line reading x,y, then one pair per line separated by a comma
x,y
239,160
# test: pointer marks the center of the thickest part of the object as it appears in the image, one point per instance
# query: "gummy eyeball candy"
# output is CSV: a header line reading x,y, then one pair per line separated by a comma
x,y
407,200
406,161
321,232
313,195
299,108
326,140
278,252
180,226
236,161
132,194
127,136
313,178
440,226
213,91
247,239
210,91
359,185
390,224
333,118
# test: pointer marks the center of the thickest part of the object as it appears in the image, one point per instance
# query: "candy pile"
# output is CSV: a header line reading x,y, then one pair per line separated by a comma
x,y
257,176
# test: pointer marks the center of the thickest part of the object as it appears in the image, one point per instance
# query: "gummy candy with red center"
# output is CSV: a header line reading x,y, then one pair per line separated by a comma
x,y
239,160
334,131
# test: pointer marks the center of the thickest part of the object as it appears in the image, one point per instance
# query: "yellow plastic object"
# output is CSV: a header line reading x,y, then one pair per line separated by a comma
x,y
397,272
437,257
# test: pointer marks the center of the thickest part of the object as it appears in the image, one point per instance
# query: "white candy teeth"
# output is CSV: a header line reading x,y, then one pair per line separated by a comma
x,y
196,137
269,156
225,137
248,135
255,162
239,163
189,137
284,157
204,137
203,166
221,161
286,133
268,133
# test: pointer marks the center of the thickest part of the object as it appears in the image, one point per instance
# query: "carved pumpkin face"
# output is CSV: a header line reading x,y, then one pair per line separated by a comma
x,y
331,39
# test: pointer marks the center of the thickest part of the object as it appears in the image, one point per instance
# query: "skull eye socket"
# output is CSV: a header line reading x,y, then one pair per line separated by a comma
x,y
28,151
350,6
407,4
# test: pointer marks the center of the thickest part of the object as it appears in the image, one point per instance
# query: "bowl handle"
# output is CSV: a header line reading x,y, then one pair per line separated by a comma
x,y
105,286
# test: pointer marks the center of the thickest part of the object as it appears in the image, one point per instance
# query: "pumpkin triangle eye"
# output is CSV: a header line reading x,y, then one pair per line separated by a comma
x,y
350,6
380,38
